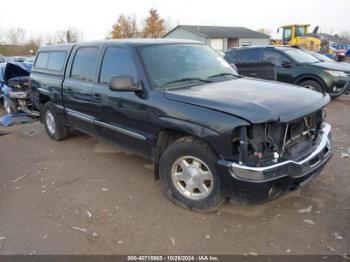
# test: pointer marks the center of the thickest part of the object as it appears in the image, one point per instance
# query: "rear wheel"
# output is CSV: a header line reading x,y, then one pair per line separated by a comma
x,y
189,177
54,128
312,85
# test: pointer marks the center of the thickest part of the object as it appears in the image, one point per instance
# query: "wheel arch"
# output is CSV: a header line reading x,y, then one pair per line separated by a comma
x,y
303,78
43,99
176,130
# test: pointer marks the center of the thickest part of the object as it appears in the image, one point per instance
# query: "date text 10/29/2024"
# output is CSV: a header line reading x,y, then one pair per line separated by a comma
x,y
173,258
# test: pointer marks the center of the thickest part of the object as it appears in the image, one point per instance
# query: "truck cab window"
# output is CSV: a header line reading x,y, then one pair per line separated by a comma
x,y
84,63
41,61
116,62
287,34
56,61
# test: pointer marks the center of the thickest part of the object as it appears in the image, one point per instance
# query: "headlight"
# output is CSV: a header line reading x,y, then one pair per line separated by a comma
x,y
336,73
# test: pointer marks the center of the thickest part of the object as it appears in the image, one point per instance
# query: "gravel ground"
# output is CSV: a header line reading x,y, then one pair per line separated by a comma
x,y
83,196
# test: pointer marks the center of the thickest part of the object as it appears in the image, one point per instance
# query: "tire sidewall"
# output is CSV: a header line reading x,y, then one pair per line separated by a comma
x,y
317,87
177,150
48,106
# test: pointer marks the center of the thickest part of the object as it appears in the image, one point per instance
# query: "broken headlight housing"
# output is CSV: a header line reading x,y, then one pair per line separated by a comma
x,y
266,143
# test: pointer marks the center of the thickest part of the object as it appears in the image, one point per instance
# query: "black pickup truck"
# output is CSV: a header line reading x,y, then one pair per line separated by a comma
x,y
211,133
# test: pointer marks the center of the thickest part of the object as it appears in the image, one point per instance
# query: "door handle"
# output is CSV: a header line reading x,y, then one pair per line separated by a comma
x,y
69,90
97,96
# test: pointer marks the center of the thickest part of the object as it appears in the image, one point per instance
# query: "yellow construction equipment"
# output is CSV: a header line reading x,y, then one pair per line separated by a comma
x,y
298,35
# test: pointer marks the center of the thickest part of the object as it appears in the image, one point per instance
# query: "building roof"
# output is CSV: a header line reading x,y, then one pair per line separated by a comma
x,y
334,38
221,31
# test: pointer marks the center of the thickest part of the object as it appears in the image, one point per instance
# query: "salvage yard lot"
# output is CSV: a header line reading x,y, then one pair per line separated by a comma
x,y
83,196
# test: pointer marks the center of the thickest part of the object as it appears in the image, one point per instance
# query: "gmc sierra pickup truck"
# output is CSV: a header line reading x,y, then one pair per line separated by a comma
x,y
211,133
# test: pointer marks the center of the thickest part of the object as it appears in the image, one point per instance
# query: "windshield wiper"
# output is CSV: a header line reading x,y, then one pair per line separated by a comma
x,y
223,74
187,79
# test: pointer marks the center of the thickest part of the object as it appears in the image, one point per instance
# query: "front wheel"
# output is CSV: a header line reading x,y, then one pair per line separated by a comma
x,y
312,85
189,177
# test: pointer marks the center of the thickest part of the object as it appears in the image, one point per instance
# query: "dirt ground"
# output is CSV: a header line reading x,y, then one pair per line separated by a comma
x,y
82,196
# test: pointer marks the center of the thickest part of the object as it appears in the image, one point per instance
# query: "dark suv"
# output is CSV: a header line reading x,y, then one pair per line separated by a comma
x,y
295,66
211,133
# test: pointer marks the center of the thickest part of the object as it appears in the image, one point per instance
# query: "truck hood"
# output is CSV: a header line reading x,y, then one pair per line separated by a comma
x,y
256,101
334,66
15,70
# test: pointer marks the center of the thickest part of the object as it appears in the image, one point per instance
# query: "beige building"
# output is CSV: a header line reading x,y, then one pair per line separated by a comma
x,y
220,38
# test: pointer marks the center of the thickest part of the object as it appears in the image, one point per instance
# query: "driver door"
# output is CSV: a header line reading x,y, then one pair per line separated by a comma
x,y
120,116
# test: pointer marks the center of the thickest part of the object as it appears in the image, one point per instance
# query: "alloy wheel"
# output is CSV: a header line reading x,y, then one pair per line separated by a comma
x,y
310,87
50,122
192,177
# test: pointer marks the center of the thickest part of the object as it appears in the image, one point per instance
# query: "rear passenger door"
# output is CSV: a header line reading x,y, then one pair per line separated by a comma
x,y
78,87
120,116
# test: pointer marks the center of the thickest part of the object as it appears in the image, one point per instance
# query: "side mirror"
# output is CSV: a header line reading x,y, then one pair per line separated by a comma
x,y
124,84
287,64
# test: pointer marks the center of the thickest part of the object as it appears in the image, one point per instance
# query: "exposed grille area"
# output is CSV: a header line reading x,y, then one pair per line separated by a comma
x,y
298,131
260,143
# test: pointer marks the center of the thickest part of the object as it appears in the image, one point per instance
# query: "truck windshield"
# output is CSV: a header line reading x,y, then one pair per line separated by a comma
x,y
178,65
301,56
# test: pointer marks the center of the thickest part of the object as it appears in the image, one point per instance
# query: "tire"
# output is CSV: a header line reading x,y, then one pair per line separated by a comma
x,y
200,176
312,85
10,106
54,128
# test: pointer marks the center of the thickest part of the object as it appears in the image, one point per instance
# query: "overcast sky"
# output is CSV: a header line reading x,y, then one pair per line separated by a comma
x,y
95,17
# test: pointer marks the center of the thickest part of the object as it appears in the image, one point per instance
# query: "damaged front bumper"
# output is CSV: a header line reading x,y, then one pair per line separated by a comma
x,y
288,168
262,183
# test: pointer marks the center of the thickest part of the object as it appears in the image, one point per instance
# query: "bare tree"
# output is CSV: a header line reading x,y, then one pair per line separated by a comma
x,y
32,45
345,34
265,31
155,26
59,37
70,35
73,35
16,36
2,37
125,27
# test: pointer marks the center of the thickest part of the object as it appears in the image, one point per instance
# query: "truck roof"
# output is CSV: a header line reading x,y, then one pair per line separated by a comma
x,y
130,42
